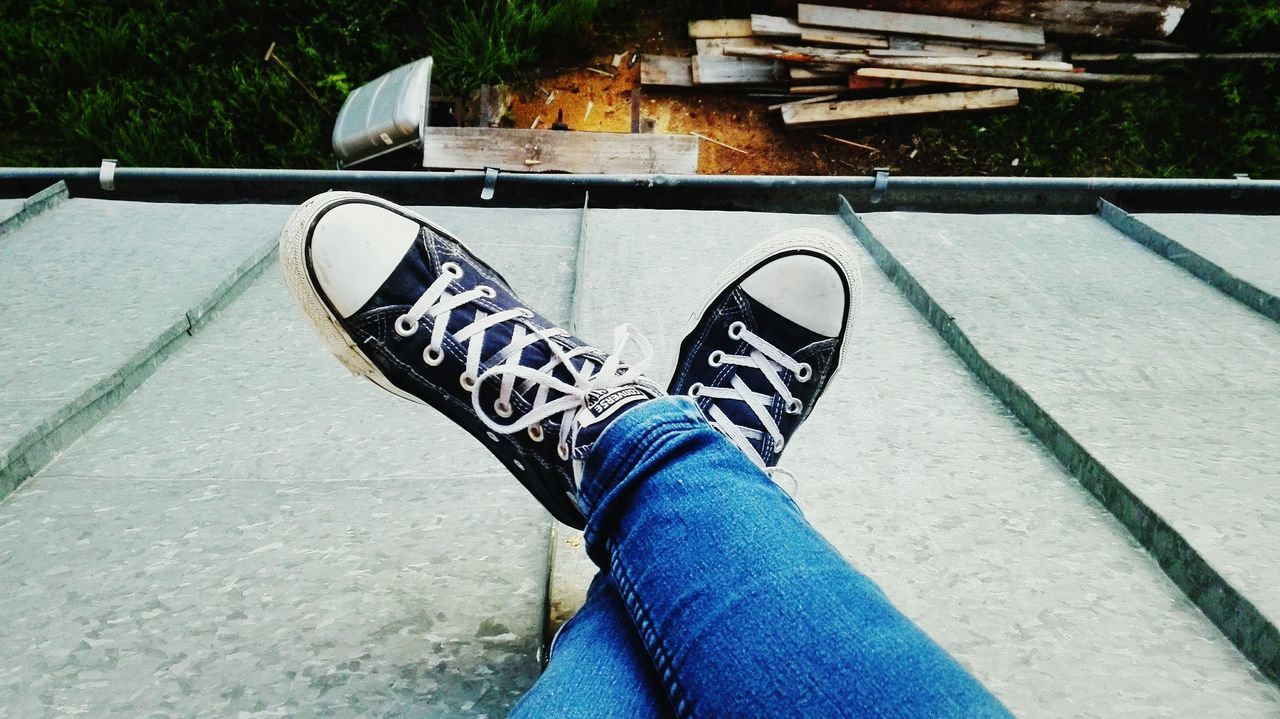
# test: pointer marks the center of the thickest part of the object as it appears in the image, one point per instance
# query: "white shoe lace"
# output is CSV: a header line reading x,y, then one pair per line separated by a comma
x,y
437,302
766,358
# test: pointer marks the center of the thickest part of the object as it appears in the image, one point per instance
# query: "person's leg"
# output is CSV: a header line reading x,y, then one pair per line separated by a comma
x,y
598,667
706,552
744,608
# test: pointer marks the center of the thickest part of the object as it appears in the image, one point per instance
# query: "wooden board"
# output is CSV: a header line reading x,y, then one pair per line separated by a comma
x,y
844,38
1073,78
719,28
834,113
954,79
1153,19
939,46
717,45
772,25
929,25
805,55
1177,56
1007,63
725,70
898,48
818,73
463,148
953,52
851,56
666,70
816,89
807,100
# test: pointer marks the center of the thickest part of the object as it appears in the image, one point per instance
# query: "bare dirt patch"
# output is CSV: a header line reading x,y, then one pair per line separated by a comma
x,y
724,115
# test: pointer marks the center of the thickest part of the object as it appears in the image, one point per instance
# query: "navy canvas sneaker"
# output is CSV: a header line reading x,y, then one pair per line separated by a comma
x,y
406,305
762,349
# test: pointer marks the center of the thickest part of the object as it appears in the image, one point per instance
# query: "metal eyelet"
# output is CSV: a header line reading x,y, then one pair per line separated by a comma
x,y
487,291
535,432
452,269
777,446
503,409
715,359
517,463
695,389
432,355
405,327
736,329
795,406
467,381
562,449
804,373
527,313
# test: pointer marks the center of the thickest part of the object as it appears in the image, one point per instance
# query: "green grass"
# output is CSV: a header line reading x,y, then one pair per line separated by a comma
x,y
157,82
1206,121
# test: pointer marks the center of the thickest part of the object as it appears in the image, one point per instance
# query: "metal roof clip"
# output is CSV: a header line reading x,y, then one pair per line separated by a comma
x,y
107,174
881,186
1241,179
490,182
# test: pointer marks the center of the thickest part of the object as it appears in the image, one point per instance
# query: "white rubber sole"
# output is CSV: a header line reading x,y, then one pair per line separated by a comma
x,y
810,240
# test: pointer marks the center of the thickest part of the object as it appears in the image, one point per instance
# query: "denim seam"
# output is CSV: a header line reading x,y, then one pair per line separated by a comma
x,y
661,658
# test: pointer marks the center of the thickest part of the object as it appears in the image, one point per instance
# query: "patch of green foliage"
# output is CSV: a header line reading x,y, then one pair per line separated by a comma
x,y
164,83
157,82
1208,120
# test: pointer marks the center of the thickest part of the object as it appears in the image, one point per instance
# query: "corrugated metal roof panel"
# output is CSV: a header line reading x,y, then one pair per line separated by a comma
x,y
253,529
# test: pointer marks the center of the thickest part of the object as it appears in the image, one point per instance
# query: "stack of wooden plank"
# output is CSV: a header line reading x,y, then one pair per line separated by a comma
x,y
842,64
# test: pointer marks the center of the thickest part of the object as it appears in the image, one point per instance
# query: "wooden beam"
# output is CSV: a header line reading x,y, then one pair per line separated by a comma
x,y
462,148
816,89
834,113
1111,18
932,49
1073,78
725,70
719,28
1008,63
842,56
816,73
930,25
666,70
772,25
953,79
1176,56
939,46
804,55
717,45
807,100
844,38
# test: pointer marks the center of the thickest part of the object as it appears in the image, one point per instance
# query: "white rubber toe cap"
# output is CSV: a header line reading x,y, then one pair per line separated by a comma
x,y
354,248
805,289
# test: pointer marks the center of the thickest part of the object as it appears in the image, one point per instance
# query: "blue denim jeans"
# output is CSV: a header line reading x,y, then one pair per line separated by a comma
x,y
718,599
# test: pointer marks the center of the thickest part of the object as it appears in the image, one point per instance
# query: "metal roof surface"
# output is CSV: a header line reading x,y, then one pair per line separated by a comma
x,y
221,520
